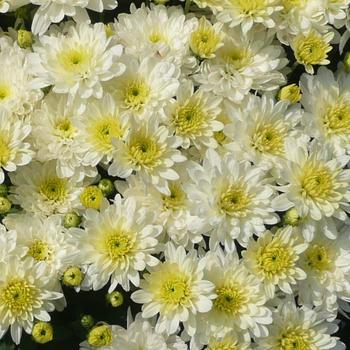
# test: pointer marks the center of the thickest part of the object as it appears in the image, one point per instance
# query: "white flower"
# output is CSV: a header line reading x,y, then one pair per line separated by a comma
x,y
303,327
316,182
100,124
76,61
259,129
53,11
327,264
240,299
176,290
56,136
14,150
246,13
234,197
159,32
326,100
336,12
117,243
23,297
38,189
192,117
244,62
11,5
144,87
18,93
273,259
151,152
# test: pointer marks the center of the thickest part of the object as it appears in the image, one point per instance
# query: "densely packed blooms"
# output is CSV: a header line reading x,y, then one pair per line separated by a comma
x,y
192,161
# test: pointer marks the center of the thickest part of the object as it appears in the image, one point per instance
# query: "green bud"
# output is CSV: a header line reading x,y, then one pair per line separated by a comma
x,y
71,220
292,218
100,336
72,277
115,299
24,38
106,186
5,205
87,321
42,332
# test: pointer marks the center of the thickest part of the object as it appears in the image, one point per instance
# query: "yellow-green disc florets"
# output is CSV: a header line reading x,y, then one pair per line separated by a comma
x,y
72,277
115,298
290,93
5,205
42,332
100,336
91,197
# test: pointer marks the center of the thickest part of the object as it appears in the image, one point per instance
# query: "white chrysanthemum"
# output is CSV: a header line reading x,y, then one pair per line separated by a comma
x,y
316,182
151,152
336,12
18,94
53,11
234,197
176,290
246,13
295,328
103,337
117,243
244,62
141,334
56,136
326,100
145,86
299,16
312,48
327,264
273,259
100,124
160,32
172,211
37,188
192,117
240,300
14,150
43,240
8,244
24,297
259,129
76,61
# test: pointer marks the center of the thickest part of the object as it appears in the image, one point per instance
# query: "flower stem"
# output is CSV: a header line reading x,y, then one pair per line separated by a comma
x,y
187,6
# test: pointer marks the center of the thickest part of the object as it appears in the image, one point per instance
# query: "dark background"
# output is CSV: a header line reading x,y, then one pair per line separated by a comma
x,y
68,330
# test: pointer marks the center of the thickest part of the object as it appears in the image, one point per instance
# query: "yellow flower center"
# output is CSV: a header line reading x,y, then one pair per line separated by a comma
x,y
91,197
316,181
18,296
235,57
311,49
157,37
40,250
119,244
318,258
337,119
230,299
65,129
189,119
227,343
53,189
176,199
136,95
75,60
176,290
204,41
295,339
274,259
5,151
249,7
268,139
290,93
103,131
100,336
145,151
292,4
5,92
235,201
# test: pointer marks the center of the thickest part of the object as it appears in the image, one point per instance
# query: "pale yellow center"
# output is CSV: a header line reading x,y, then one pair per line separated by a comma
x,y
176,290
235,57
65,129
176,199
249,7
5,151
318,257
235,200
5,92
295,339
230,298
53,189
119,244
75,61
337,119
136,95
268,139
40,250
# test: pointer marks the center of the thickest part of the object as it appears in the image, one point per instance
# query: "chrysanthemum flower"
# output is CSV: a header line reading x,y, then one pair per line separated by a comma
x,y
151,152
53,11
316,183
76,61
233,197
176,290
37,188
305,328
273,259
117,243
103,337
14,149
24,296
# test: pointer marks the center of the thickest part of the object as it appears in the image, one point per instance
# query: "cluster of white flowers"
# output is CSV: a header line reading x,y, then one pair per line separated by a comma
x,y
169,155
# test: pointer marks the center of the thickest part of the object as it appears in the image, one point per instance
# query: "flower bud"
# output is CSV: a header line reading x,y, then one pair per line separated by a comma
x,y
72,277
91,197
5,205
292,218
24,38
100,336
71,220
42,332
106,186
115,298
290,93
87,321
